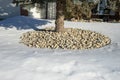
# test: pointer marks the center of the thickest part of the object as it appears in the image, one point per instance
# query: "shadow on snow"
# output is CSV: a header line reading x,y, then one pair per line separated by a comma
x,y
22,22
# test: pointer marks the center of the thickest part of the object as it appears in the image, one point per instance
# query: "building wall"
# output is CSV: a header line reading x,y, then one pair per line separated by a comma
x,y
51,10
7,9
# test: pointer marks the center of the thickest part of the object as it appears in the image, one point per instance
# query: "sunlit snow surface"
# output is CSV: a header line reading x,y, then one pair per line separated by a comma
x,y
19,62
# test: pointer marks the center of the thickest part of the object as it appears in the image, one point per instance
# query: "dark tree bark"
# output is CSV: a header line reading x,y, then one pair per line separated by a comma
x,y
60,9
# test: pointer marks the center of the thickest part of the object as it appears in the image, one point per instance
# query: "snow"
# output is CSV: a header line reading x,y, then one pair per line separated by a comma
x,y
7,9
19,62
35,13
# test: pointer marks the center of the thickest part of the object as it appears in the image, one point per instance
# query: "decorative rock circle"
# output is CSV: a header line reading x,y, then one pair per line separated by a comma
x,y
72,38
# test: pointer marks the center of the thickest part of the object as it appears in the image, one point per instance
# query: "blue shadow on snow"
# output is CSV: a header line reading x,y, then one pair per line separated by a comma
x,y
22,22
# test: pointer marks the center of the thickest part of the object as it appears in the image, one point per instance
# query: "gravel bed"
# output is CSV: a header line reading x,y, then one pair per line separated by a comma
x,y
72,38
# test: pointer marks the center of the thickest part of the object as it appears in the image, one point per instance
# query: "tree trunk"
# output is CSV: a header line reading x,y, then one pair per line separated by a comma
x,y
60,9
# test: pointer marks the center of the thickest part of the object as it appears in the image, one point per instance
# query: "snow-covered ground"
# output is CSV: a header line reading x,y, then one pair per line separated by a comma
x,y
19,62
